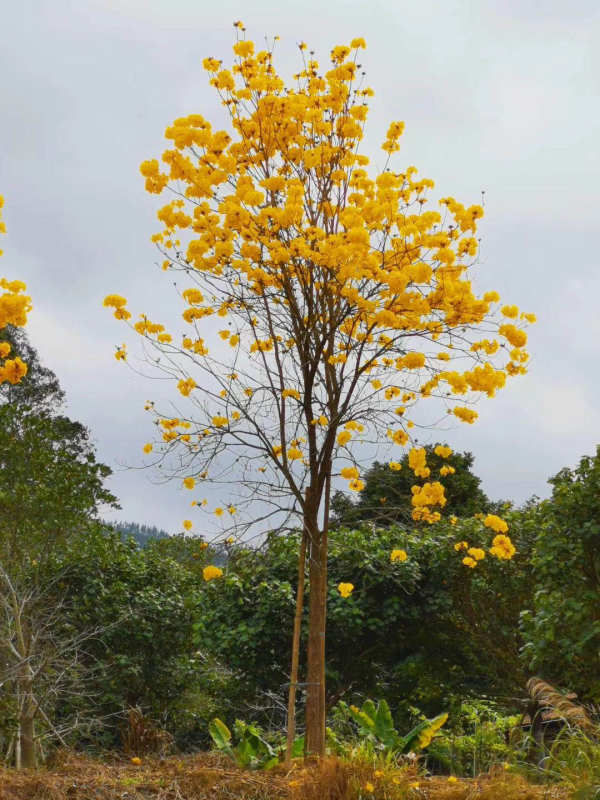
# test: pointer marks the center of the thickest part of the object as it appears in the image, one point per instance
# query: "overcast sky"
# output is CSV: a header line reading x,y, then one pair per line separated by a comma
x,y
500,96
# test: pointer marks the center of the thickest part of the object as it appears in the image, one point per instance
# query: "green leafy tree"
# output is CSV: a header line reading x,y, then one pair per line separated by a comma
x,y
39,390
425,631
51,489
150,652
562,626
387,493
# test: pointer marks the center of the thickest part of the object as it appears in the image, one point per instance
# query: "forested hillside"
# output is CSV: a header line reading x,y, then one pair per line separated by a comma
x,y
143,534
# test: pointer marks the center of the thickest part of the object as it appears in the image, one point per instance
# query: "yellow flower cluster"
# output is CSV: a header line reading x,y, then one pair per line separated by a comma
x,y
495,523
267,205
398,555
284,229
343,438
418,463
210,573
423,497
465,414
477,553
345,589
14,307
502,547
186,385
12,370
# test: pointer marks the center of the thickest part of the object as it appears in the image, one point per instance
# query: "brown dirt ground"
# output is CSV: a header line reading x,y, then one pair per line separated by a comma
x,y
208,776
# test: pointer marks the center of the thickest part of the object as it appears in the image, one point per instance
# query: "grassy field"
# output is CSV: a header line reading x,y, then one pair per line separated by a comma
x,y
208,776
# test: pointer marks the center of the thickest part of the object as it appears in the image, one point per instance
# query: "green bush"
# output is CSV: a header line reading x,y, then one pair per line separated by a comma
x,y
481,736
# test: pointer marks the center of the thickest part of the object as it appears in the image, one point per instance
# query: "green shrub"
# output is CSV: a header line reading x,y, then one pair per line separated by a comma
x,y
480,737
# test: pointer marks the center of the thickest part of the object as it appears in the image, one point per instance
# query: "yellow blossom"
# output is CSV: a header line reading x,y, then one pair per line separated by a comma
x,y
398,555
343,437
114,300
502,547
211,572
477,553
345,589
465,414
495,523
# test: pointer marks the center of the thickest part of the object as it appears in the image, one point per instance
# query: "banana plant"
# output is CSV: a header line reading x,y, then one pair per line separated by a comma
x,y
375,723
252,751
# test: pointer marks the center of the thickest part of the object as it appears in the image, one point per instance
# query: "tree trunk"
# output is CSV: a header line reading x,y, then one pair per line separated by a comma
x,y
18,748
291,717
315,708
27,731
324,550
27,709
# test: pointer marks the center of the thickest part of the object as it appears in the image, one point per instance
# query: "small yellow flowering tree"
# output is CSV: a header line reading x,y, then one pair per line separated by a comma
x,y
14,306
321,303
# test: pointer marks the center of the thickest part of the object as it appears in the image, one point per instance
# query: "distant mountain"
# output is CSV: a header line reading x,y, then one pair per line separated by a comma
x,y
141,533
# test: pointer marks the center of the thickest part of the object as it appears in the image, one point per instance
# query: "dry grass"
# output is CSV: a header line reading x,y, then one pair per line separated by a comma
x,y
208,776
199,777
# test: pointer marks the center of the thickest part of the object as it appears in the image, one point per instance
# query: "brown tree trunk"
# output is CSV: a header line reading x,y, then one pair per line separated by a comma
x,y
291,716
315,709
27,728
324,550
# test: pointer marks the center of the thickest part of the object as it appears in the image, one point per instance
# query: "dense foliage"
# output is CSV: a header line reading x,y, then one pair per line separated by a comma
x,y
141,627
387,494
562,625
145,605
419,632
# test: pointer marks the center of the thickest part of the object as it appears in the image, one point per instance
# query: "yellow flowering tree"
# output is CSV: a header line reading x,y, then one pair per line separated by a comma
x,y
14,306
321,303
